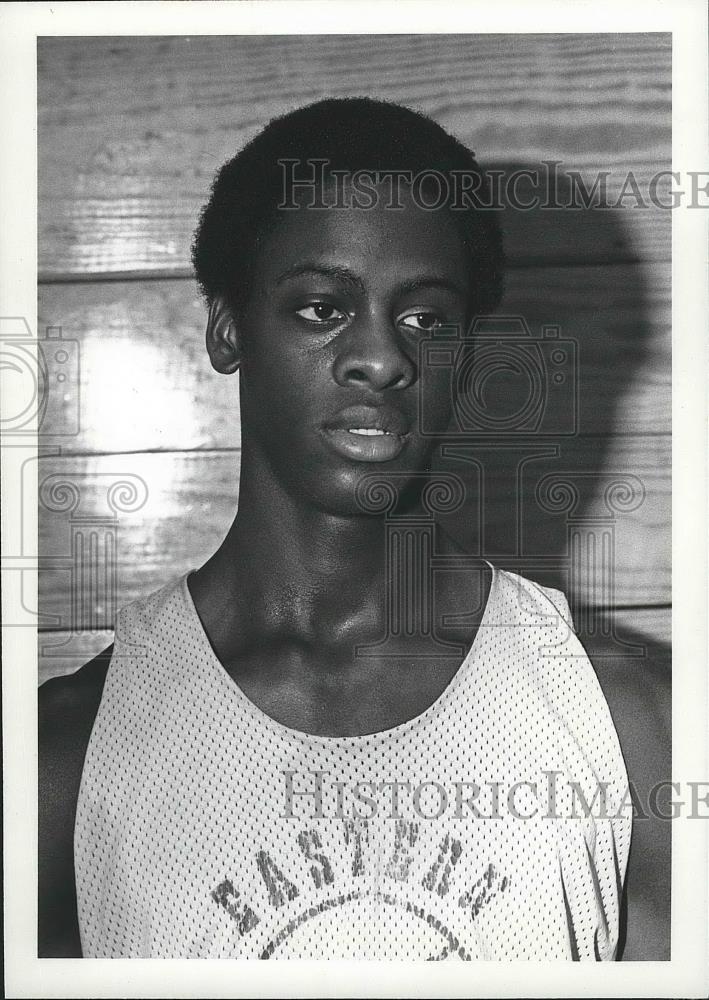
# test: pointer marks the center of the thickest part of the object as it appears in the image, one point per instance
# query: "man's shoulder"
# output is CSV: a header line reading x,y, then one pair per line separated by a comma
x,y
68,704
67,712
637,688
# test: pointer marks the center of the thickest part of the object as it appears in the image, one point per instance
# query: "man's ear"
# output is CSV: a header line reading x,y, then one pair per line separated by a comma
x,y
223,341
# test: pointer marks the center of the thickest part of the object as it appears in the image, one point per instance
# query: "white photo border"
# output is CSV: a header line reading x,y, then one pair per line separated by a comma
x,y
686,974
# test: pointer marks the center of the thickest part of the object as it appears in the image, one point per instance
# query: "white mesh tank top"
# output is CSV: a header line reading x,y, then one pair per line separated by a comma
x,y
491,826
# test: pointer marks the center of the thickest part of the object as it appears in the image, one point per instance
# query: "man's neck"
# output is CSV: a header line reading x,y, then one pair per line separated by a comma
x,y
286,566
289,571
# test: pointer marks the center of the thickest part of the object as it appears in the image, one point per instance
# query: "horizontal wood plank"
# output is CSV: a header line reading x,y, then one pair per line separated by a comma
x,y
61,653
117,526
591,515
138,376
655,623
132,130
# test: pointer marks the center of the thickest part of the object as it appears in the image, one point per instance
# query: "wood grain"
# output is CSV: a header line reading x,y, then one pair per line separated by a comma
x,y
60,653
132,130
145,382
180,504
655,623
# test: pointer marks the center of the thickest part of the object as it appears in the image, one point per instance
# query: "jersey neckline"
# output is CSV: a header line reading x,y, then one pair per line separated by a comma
x,y
234,689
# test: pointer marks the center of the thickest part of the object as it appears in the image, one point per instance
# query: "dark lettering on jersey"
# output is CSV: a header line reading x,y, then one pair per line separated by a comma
x,y
405,836
437,882
309,842
275,881
449,853
227,896
481,893
356,830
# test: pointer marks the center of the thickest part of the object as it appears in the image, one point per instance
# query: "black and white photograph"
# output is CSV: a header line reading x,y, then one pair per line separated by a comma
x,y
346,501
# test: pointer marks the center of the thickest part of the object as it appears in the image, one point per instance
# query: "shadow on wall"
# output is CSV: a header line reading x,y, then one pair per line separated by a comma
x,y
551,457
545,490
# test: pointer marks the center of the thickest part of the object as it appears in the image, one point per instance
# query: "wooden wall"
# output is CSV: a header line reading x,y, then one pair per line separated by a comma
x,y
131,131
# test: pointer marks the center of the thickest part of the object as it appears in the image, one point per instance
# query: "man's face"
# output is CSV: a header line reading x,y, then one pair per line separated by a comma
x,y
330,340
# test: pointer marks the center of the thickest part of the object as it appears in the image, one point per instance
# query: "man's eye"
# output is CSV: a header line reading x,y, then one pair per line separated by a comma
x,y
320,312
421,320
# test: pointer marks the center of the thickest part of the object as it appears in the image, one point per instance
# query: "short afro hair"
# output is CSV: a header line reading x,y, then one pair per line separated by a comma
x,y
355,133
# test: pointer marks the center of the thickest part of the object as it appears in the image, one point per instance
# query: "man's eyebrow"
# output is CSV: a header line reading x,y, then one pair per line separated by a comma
x,y
325,270
431,281
348,276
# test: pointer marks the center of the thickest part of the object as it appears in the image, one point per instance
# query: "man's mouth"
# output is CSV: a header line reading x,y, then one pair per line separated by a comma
x,y
367,431
368,434
366,444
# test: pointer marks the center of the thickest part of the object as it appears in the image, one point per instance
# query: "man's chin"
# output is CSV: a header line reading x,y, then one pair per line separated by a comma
x,y
372,490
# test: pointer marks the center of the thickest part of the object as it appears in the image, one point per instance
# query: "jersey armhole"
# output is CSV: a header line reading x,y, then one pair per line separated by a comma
x,y
558,601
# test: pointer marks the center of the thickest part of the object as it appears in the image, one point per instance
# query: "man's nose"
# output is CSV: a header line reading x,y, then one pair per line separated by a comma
x,y
372,356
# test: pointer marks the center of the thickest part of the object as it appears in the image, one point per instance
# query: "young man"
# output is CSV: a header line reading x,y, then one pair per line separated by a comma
x,y
251,771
